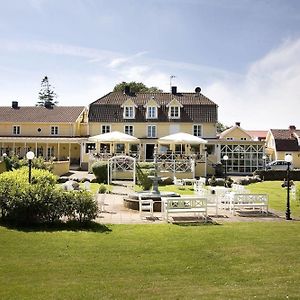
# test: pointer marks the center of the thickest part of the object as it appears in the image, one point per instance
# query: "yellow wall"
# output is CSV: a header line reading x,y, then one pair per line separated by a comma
x,y
295,155
60,167
236,134
163,129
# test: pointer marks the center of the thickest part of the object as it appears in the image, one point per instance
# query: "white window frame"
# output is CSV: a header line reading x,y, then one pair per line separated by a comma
x,y
126,131
151,135
129,112
106,126
151,112
172,114
54,130
201,130
16,130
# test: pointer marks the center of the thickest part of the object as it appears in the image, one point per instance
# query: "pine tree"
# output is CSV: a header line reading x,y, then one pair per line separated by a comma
x,y
46,94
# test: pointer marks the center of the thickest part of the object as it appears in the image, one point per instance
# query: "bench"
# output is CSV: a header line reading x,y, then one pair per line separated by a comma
x,y
181,205
246,202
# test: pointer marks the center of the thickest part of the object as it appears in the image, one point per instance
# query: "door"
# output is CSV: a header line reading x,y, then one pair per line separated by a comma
x,y
149,151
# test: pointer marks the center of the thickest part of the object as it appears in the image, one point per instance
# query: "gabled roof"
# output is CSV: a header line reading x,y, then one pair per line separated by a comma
x,y
286,139
40,114
196,108
233,128
258,134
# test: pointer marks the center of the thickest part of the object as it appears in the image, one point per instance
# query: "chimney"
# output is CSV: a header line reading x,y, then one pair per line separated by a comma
x,y
127,90
14,104
174,90
238,124
292,127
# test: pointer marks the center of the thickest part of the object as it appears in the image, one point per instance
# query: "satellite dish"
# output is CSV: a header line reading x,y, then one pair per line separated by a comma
x,y
197,89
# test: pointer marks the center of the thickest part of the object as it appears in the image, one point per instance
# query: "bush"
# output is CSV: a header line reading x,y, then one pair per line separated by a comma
x,y
143,177
166,181
14,163
146,165
99,169
41,201
102,189
277,174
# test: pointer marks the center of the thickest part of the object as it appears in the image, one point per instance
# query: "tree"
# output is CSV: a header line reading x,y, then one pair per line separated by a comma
x,y
46,94
136,87
221,127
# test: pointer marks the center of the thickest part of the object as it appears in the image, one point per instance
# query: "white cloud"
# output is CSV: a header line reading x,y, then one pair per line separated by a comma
x,y
267,96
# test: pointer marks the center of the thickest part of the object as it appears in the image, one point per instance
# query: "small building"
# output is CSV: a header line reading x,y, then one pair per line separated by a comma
x,y
244,150
280,142
55,132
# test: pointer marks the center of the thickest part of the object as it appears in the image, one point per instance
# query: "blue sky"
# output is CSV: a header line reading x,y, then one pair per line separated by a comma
x,y
244,54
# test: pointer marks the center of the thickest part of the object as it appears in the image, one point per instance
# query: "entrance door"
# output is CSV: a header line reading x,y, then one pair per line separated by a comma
x,y
149,151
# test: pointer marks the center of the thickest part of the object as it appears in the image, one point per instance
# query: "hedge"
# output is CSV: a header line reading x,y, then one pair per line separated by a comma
x,y
277,174
99,169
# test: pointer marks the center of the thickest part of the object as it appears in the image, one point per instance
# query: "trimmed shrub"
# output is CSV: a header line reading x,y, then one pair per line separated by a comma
x,y
166,181
146,165
102,189
99,169
277,174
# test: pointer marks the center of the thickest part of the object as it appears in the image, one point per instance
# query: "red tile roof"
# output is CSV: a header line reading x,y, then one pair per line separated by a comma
x,y
40,114
285,140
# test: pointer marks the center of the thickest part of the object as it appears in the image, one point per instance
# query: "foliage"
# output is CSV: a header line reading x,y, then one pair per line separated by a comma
x,y
2,167
146,165
135,87
143,177
221,127
277,174
99,169
248,180
249,260
41,201
102,189
46,95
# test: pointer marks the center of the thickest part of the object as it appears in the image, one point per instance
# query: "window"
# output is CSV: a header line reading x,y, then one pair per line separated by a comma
x,y
151,112
128,129
229,139
243,139
105,128
90,147
16,129
54,130
128,112
197,130
50,152
151,133
174,112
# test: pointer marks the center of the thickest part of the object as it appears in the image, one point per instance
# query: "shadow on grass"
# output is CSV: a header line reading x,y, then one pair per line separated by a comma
x,y
192,221
58,226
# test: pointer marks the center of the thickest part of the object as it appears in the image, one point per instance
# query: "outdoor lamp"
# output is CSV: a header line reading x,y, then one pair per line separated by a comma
x,y
288,158
264,160
225,158
30,157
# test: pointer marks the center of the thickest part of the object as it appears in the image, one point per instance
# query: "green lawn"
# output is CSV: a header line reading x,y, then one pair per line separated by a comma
x,y
277,196
233,261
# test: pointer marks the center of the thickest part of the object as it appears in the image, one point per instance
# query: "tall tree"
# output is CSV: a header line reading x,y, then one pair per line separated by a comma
x,y
221,127
136,87
46,94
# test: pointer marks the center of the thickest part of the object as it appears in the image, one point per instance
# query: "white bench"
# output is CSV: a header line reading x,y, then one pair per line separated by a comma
x,y
246,202
182,205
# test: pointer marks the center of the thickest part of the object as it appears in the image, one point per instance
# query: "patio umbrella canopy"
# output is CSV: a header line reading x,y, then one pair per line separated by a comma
x,y
181,138
114,137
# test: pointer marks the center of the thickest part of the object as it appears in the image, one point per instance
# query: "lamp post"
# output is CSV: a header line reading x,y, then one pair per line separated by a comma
x,y
29,156
225,158
264,161
288,158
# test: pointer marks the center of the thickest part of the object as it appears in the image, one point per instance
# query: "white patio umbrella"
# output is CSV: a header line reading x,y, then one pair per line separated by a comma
x,y
114,137
181,138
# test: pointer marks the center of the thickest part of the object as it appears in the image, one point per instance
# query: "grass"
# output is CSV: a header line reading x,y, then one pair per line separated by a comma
x,y
277,196
231,261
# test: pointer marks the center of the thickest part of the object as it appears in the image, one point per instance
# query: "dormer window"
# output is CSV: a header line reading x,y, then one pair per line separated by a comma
x,y
152,108
151,112
174,109
174,112
128,112
128,109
